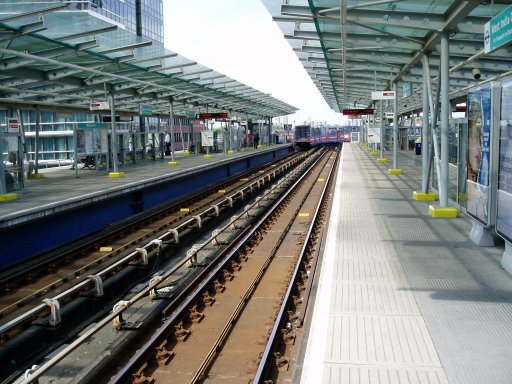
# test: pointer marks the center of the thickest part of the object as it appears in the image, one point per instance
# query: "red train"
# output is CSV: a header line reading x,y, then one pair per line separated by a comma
x,y
306,136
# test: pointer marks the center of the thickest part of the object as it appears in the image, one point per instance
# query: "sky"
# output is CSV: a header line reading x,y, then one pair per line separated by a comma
x,y
239,39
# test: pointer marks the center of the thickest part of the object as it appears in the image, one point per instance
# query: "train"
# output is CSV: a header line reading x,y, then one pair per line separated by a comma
x,y
306,136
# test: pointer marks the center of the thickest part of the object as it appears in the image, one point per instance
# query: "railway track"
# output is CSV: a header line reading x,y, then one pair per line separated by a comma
x,y
248,283
83,274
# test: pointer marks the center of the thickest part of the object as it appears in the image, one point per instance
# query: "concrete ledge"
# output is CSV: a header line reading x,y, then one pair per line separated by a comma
x,y
116,174
8,197
173,162
449,212
208,156
420,196
35,176
397,171
382,160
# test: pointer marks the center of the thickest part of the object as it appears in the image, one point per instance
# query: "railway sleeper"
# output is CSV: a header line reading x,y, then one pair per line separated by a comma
x,y
141,378
195,315
288,336
208,299
228,275
180,332
162,355
282,362
218,286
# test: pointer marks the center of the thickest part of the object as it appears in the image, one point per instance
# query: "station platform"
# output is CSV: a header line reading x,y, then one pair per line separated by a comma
x,y
61,207
403,297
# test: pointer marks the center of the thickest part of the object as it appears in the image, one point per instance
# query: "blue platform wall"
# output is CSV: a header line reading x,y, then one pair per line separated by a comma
x,y
26,241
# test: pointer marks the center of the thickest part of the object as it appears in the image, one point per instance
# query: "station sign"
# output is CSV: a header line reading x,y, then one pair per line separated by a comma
x,y
145,110
191,115
498,30
13,126
99,105
219,115
93,125
358,112
383,95
407,89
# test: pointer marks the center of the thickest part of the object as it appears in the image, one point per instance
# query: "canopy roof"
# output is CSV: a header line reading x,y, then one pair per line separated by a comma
x,y
62,59
353,47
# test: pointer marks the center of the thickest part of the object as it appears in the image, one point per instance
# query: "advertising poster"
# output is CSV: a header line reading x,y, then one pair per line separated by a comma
x,y
479,137
104,140
88,142
80,142
504,219
96,141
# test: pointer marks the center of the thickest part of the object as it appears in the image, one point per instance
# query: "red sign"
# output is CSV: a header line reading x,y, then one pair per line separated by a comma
x,y
219,115
13,126
358,112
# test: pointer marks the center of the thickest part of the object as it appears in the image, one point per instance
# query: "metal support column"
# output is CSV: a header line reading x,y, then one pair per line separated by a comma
x,y
36,143
445,117
113,138
424,132
171,123
382,132
395,128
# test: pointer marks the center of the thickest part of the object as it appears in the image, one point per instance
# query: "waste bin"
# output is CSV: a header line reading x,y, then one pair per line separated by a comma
x,y
417,146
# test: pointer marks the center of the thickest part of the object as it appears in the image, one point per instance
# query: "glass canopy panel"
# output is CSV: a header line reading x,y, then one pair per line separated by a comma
x,y
383,41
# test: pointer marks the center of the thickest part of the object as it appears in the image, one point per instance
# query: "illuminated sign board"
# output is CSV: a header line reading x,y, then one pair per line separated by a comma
x,y
99,105
357,112
219,115
385,95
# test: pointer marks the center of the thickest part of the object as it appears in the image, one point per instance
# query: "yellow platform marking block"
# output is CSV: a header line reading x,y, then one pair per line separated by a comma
x,y
231,152
173,163
420,196
116,174
260,171
303,214
449,212
382,160
208,156
321,179
260,146
244,179
35,176
106,249
397,171
374,153
222,191
185,153
8,197
184,209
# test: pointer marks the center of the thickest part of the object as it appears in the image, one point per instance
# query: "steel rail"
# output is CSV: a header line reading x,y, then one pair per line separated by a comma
x,y
164,330
230,323
265,359
39,371
151,247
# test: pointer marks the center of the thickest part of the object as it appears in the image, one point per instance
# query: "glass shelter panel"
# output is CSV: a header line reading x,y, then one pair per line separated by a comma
x,y
504,219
